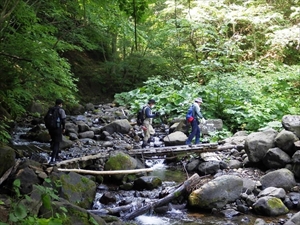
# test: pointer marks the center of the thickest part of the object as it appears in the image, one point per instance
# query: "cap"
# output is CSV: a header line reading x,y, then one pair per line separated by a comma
x,y
58,101
199,100
151,101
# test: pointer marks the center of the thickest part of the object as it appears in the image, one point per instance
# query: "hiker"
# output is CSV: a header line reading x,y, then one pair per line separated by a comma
x,y
56,132
147,123
195,122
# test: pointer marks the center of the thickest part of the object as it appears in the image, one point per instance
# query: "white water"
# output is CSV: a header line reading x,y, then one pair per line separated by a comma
x,y
152,220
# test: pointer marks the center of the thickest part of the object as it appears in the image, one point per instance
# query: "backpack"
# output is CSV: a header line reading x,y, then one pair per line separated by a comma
x,y
52,118
141,116
189,115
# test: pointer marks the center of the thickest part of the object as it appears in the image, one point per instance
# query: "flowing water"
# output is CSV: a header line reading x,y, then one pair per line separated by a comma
x,y
172,214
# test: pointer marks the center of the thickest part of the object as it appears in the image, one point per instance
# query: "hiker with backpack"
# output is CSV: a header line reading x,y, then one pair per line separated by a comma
x,y
193,116
147,117
55,123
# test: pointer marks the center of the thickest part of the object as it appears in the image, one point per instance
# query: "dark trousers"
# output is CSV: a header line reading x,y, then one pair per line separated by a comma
x,y
55,150
56,138
195,132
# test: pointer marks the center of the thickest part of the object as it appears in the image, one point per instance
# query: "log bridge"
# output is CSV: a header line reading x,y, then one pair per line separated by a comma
x,y
167,151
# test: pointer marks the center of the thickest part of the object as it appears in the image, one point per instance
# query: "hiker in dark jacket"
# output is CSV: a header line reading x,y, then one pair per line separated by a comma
x,y
56,133
195,123
147,123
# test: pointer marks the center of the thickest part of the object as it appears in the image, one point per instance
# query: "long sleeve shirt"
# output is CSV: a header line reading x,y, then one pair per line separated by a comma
x,y
196,112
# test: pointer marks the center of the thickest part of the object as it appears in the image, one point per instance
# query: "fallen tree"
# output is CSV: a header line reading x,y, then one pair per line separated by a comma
x,y
107,172
82,162
186,187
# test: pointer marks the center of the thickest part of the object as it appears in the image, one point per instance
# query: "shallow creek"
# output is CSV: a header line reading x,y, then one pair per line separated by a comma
x,y
176,214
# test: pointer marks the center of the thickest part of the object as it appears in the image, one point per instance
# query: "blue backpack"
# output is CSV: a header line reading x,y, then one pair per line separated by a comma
x,y
189,115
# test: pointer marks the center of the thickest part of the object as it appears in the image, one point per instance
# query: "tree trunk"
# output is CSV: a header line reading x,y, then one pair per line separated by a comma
x,y
108,172
186,187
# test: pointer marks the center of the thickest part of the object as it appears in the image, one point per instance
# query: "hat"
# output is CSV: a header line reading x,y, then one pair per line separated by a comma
x,y
58,101
199,100
151,101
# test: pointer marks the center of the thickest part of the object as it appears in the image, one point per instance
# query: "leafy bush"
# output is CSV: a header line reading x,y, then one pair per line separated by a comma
x,y
20,214
247,100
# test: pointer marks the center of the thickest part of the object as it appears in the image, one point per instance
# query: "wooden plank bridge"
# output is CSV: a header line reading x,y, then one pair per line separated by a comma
x,y
174,150
167,151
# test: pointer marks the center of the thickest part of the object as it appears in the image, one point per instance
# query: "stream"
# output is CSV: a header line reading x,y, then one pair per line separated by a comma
x,y
173,214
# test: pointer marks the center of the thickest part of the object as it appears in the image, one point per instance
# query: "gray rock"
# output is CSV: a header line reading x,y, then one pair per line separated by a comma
x,y
276,158
282,178
292,123
77,189
175,138
285,141
294,220
86,134
274,192
119,160
192,165
217,193
259,221
7,158
258,143
210,167
270,206
147,183
119,126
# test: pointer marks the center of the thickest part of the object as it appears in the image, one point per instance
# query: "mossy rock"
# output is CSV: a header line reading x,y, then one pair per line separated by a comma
x,y
77,189
120,161
7,158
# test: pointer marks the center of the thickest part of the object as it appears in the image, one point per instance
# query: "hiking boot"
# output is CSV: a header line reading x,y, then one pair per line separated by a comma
x,y
144,144
52,163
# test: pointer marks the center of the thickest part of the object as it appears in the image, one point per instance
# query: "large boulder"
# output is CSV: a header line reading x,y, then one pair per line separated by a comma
x,y
258,143
276,158
27,173
217,193
119,126
175,138
270,206
211,125
74,214
77,189
119,160
282,178
7,158
296,164
291,123
285,141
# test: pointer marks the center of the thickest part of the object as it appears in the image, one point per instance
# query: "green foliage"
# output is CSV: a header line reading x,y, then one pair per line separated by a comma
x,y
245,101
172,96
241,57
4,134
20,214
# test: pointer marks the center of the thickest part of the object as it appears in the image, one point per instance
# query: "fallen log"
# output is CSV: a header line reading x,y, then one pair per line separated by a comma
x,y
116,210
76,161
161,151
186,187
107,172
10,171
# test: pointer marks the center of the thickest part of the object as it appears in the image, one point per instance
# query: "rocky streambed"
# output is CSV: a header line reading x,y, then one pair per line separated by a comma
x,y
255,182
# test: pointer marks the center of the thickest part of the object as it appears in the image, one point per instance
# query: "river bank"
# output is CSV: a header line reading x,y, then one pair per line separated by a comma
x,y
88,137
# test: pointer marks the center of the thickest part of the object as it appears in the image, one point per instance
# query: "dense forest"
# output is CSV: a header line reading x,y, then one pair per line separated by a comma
x,y
242,57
